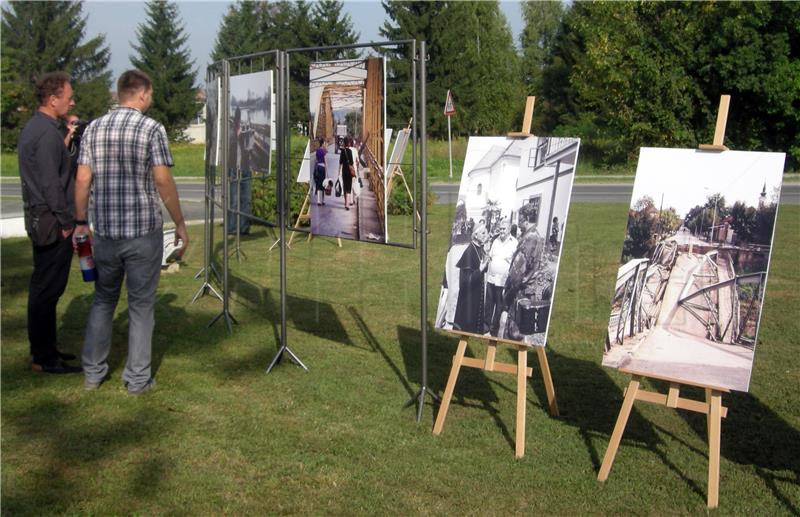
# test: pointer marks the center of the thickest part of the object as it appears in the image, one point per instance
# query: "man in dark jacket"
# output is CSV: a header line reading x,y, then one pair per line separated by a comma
x,y
48,187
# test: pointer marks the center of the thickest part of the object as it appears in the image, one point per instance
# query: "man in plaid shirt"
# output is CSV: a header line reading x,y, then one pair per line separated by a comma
x,y
125,163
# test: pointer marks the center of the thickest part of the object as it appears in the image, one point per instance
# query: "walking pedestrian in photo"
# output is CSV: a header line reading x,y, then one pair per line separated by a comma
x,y
346,170
125,163
320,173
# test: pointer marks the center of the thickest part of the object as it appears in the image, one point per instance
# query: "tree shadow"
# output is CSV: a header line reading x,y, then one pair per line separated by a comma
x,y
61,440
753,434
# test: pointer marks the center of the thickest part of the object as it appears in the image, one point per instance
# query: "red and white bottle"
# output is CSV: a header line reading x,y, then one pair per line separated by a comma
x,y
88,269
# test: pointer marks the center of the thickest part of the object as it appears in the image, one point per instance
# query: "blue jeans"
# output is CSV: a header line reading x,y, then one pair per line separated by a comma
x,y
244,191
139,262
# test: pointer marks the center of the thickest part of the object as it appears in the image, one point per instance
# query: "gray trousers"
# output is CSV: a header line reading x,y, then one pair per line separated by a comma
x,y
139,262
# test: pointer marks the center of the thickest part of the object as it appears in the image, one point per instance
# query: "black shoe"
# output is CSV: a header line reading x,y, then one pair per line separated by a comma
x,y
57,366
64,356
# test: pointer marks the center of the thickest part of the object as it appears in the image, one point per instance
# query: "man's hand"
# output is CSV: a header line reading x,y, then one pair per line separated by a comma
x,y
80,229
66,232
181,235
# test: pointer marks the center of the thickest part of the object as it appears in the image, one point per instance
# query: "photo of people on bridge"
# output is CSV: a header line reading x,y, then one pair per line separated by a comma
x,y
690,287
347,149
506,238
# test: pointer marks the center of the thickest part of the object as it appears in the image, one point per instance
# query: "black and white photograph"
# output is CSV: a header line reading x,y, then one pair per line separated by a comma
x,y
347,152
249,134
506,237
251,121
693,272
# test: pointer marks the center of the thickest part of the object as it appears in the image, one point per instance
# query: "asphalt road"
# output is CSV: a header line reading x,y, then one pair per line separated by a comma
x,y
191,195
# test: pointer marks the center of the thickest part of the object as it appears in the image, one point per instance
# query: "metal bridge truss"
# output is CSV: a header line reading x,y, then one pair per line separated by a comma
x,y
704,302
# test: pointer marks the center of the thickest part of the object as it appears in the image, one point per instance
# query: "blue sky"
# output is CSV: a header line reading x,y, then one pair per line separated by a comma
x,y
118,21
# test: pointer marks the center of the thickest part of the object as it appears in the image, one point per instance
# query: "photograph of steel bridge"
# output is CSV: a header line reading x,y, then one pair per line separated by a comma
x,y
689,290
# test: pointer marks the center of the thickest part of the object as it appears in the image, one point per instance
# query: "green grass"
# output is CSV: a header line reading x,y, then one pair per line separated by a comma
x,y
218,436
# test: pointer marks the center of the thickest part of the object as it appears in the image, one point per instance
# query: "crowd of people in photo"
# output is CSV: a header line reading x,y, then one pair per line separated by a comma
x,y
499,275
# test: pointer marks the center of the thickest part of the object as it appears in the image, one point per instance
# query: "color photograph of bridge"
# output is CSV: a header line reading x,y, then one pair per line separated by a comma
x,y
689,290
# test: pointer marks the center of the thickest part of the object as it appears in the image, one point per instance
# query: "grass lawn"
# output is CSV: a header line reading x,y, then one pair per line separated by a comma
x,y
218,436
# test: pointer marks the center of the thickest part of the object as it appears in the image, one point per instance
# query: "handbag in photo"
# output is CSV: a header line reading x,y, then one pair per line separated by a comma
x,y
338,188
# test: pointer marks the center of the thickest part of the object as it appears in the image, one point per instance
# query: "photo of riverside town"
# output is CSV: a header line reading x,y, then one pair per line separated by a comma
x,y
506,237
688,295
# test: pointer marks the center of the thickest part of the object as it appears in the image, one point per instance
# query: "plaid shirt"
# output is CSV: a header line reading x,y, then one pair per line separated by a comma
x,y
121,148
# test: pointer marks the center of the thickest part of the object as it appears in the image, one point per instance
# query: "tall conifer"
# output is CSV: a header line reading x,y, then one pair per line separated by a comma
x,y
162,54
40,37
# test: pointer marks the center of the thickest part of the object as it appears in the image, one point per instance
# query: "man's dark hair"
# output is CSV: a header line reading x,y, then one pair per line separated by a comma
x,y
131,82
527,213
51,83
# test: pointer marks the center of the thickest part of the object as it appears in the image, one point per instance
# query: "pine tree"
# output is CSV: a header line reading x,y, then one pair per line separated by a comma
x,y
239,31
330,28
163,55
40,37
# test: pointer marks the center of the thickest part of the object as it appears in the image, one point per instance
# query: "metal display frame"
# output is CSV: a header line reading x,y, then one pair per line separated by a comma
x,y
208,213
419,237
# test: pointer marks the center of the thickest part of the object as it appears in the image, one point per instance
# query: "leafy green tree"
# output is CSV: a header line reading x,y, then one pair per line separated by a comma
x,y
471,53
40,37
162,53
542,23
625,74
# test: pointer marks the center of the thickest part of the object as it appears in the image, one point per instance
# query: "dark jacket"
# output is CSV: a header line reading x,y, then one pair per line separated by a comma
x,y
48,184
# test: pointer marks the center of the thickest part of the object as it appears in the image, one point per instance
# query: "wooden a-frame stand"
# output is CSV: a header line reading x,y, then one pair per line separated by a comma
x,y
712,406
305,215
395,170
488,364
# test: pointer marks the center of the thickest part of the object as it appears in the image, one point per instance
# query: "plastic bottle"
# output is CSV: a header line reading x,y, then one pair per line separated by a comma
x,y
88,269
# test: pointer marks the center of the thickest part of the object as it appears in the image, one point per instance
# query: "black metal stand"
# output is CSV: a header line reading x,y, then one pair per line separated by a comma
x,y
419,397
225,314
283,208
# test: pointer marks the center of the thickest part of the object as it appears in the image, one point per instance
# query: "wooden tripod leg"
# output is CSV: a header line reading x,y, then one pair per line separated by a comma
x,y
714,427
619,428
522,397
458,359
300,215
548,381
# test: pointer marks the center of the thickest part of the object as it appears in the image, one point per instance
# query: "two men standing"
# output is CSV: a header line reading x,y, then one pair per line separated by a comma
x,y
124,165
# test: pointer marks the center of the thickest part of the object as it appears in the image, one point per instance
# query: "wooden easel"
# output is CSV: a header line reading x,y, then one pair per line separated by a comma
x,y
488,364
712,406
305,215
395,170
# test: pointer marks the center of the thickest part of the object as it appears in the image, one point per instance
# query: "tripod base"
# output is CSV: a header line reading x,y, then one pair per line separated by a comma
x,y
205,289
279,356
229,320
419,400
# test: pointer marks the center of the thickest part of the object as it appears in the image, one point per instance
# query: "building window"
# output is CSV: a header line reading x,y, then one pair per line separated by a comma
x,y
480,188
541,150
535,201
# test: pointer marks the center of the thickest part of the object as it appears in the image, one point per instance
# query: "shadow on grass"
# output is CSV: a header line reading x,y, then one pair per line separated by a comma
x,y
753,434
590,400
62,440
473,388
